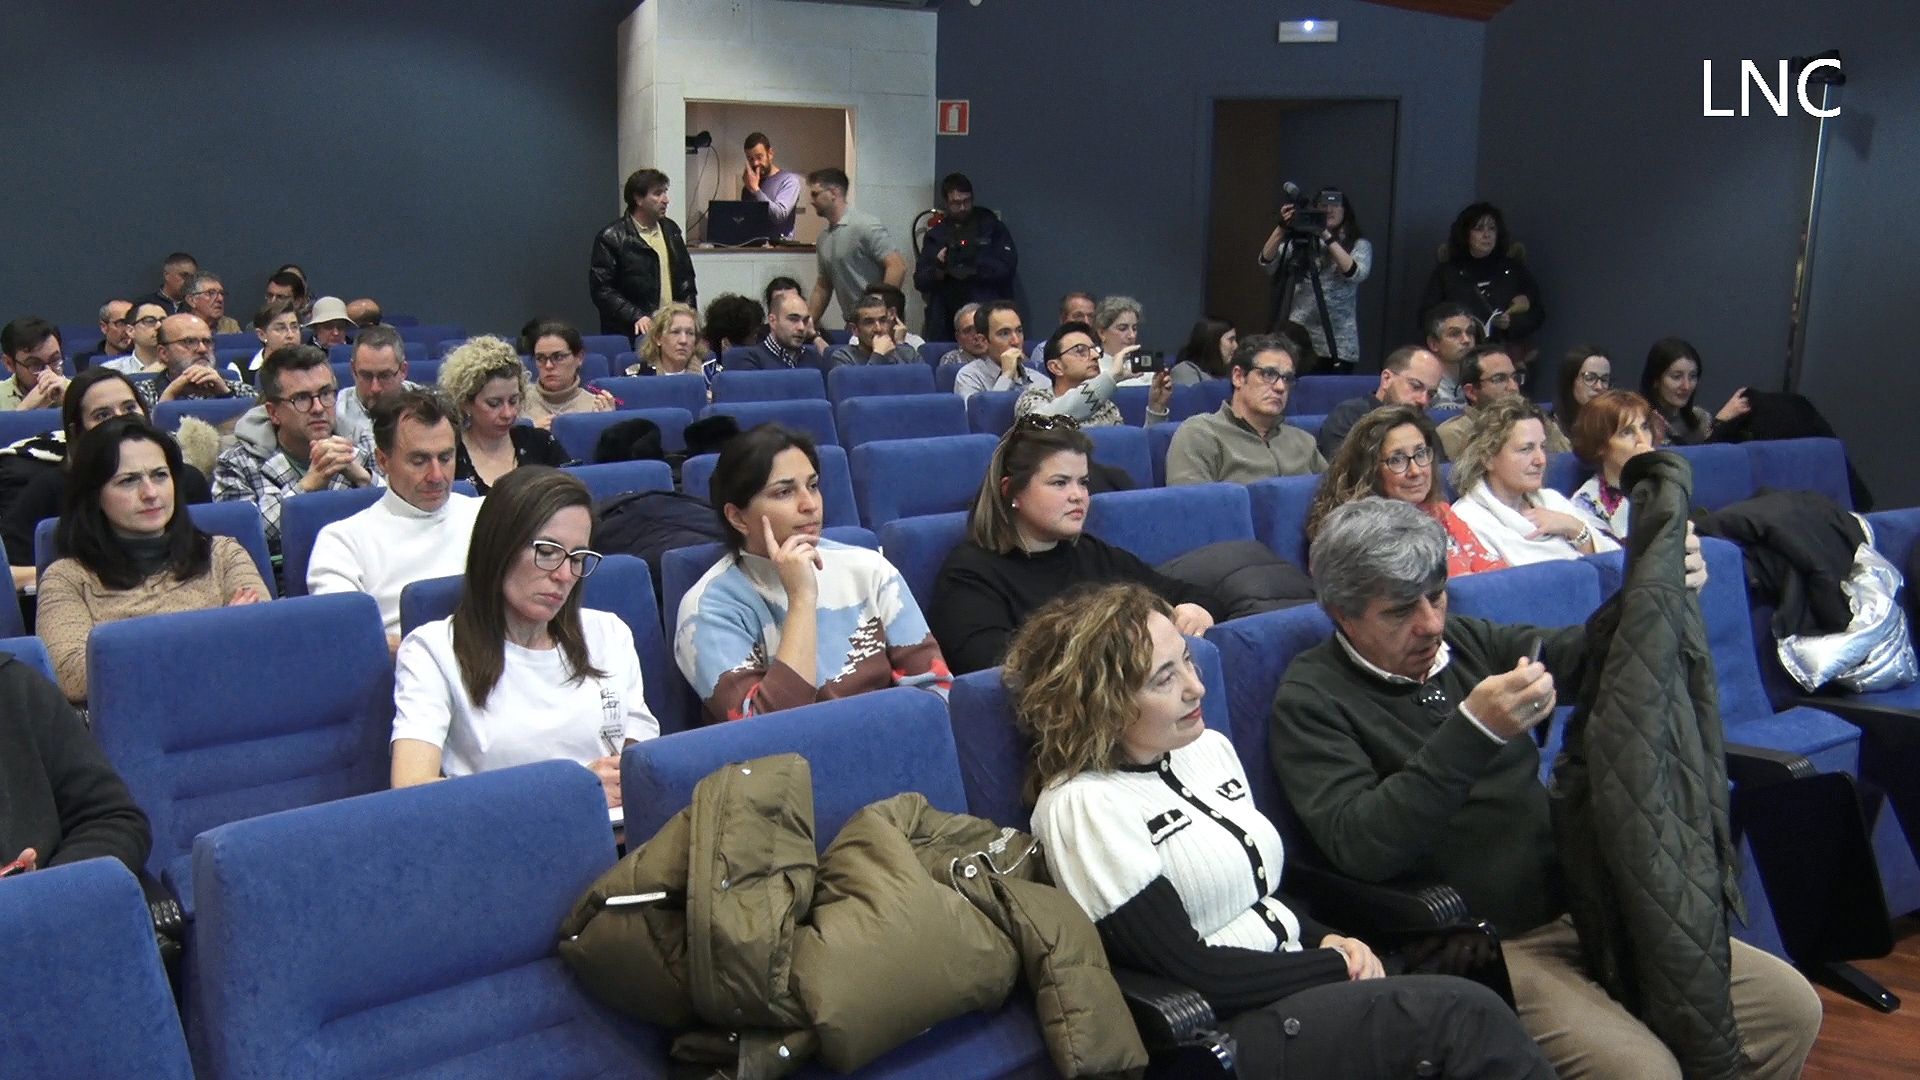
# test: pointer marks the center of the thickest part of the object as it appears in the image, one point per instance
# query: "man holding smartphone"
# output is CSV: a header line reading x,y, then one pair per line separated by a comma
x,y
1247,439
1082,385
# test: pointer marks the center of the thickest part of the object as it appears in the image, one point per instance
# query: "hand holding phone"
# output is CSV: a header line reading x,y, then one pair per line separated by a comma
x,y
28,860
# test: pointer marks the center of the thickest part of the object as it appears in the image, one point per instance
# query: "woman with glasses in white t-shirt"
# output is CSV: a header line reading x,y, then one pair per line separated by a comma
x,y
520,672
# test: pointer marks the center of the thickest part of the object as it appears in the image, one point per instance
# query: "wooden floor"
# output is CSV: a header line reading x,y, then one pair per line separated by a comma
x,y
1858,1043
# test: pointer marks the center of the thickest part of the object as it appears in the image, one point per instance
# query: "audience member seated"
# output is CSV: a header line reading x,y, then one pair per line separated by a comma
x,y
1668,381
364,312
1586,372
1116,319
557,355
968,342
1488,374
328,324
1145,819
1394,453
419,529
379,367
96,396
64,801
674,346
1613,429
732,320
174,275
1408,376
290,285
1483,271
966,257
145,355
763,181
640,261
897,309
1247,439
1074,307
277,325
287,445
486,383
787,340
188,371
207,298
128,547
1001,363
1207,354
1451,334
785,618
520,672
1082,385
116,335
873,341
1027,543
34,358
1404,745
1501,473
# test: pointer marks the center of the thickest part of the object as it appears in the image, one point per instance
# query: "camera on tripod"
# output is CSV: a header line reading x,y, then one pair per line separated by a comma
x,y
1309,217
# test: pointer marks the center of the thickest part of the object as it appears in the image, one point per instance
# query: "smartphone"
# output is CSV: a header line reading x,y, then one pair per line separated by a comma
x,y
1143,362
17,866
1539,644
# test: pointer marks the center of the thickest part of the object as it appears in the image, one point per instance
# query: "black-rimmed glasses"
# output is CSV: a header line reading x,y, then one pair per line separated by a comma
x,y
1398,461
548,555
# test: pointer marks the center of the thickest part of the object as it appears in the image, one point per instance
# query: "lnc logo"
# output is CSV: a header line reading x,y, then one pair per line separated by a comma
x,y
1775,93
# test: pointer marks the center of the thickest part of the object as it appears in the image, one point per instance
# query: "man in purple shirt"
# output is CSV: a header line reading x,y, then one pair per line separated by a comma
x,y
764,181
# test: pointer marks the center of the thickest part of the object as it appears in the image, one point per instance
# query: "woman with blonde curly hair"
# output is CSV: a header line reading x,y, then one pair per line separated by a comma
x,y
673,347
1146,822
1394,452
487,383
1504,499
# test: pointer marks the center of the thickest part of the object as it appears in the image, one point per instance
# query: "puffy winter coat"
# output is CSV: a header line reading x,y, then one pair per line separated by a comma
x,y
623,276
1640,793
773,955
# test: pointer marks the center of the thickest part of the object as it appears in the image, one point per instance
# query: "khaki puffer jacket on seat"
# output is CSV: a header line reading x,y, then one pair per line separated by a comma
x,y
766,955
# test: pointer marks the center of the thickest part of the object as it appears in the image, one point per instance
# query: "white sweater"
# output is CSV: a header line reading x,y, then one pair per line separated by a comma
x,y
534,712
390,545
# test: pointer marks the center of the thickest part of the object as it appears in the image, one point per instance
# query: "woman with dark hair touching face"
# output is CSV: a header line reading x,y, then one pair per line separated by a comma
x,y
1668,381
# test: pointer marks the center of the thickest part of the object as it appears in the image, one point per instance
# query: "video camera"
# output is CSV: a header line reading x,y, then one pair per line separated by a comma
x,y
1309,218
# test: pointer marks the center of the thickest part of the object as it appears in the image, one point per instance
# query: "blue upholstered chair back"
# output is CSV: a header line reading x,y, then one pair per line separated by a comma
x,y
239,519
878,380
836,483
21,423
1215,392
919,546
1318,394
788,385
606,344
579,433
684,391
620,477
213,716
1125,448
994,752
86,995
875,418
932,351
1539,594
1159,441
1254,654
1157,524
1802,465
1280,508
622,585
302,519
446,334
945,376
1307,422
29,650
1722,474
409,933
909,477
681,567
811,415
990,412
1565,473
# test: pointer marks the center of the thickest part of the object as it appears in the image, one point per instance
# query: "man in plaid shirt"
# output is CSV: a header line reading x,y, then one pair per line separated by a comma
x,y
293,448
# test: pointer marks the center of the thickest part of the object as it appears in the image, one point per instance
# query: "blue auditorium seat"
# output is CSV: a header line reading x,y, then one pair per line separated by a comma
x,y
1320,393
606,344
792,384
681,568
302,519
216,411
199,747
410,933
1722,474
27,649
622,585
245,339
1156,524
836,483
918,548
990,412
238,519
1280,508
1126,448
442,335
419,372
1802,465
1159,440
859,750
685,391
343,354
904,416
86,994
908,477
579,433
945,376
837,336
1565,473
1215,392
24,423
1307,422
620,477
1254,654
814,416
862,380
932,351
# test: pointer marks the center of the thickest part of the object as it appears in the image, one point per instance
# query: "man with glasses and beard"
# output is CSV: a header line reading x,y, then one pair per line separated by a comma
x,y
1248,439
1487,374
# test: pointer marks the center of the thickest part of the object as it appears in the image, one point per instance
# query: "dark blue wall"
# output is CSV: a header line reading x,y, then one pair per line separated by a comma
x,y
1644,218
1091,124
449,159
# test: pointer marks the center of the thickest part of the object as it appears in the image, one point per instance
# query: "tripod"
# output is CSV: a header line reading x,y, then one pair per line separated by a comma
x,y
1298,253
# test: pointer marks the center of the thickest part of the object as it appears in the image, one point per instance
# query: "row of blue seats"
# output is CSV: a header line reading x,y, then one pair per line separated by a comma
x,y
422,920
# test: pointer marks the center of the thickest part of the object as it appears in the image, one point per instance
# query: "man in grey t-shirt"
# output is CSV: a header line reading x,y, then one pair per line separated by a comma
x,y
853,252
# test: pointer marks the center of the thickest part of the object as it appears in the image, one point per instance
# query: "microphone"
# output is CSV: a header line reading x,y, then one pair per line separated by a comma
x,y
1290,189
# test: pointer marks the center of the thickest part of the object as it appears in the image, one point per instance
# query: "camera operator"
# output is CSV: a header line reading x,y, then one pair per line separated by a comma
x,y
967,257
1343,258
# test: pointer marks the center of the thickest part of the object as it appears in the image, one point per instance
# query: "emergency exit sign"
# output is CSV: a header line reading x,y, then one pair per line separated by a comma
x,y
953,116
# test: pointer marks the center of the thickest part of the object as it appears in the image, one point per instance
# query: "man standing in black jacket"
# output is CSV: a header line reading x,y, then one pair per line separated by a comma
x,y
640,261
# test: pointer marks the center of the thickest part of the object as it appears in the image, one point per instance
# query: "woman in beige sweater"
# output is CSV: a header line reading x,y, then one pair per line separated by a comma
x,y
558,351
128,547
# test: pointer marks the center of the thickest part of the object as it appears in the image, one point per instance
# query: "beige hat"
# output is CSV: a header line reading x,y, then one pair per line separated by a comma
x,y
328,309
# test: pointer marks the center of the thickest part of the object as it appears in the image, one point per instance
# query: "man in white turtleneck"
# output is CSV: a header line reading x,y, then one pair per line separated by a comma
x,y
420,527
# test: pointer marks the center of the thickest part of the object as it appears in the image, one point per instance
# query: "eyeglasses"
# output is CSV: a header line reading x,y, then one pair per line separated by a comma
x,y
1596,380
307,399
32,366
123,321
221,293
151,320
1042,422
192,342
548,555
1081,350
1273,375
1398,461
1504,378
551,359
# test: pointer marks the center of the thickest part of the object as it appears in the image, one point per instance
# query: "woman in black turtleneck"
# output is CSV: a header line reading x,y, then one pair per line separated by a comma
x,y
1480,272
1026,544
